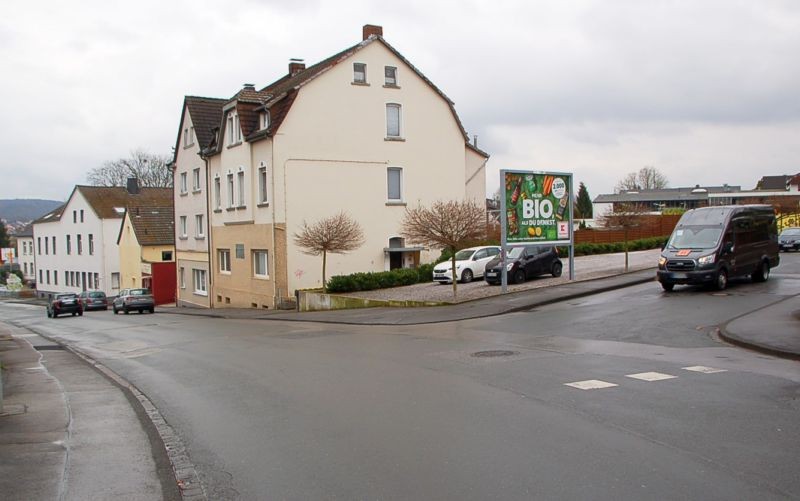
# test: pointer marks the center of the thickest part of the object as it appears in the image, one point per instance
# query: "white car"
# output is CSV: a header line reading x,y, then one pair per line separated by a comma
x,y
470,263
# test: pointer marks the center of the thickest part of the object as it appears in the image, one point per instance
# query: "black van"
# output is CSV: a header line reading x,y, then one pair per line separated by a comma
x,y
712,244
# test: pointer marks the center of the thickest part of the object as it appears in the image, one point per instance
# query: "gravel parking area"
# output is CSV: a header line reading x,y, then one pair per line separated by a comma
x,y
586,268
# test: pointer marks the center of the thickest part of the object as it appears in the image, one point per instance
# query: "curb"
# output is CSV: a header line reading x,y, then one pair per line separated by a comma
x,y
750,345
183,470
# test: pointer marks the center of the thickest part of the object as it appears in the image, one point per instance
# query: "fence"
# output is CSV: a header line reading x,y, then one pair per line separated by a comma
x,y
651,226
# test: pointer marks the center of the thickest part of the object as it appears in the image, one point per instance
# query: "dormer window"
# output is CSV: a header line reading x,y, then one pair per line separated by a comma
x,y
359,73
234,130
265,120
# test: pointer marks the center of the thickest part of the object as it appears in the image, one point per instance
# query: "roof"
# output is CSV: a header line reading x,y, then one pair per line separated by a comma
x,y
279,96
206,113
773,183
52,216
26,231
110,202
666,194
153,225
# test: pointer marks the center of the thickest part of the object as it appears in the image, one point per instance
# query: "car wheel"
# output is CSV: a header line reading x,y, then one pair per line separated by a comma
x,y
114,309
49,315
667,286
466,277
152,310
125,311
55,315
721,281
519,276
74,313
80,313
556,269
762,275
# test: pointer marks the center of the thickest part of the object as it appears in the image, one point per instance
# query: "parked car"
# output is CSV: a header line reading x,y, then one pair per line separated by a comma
x,y
525,262
134,299
64,303
789,239
470,263
93,300
712,244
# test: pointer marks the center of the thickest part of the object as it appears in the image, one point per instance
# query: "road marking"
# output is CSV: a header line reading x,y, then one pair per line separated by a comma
x,y
591,384
651,376
704,369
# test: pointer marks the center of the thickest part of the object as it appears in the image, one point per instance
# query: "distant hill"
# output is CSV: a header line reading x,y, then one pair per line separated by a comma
x,y
24,210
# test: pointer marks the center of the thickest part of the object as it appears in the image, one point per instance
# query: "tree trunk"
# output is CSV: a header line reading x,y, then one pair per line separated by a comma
x,y
455,278
324,261
626,249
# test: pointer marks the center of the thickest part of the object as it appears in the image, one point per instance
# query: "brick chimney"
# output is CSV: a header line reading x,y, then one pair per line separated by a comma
x,y
371,29
133,186
296,66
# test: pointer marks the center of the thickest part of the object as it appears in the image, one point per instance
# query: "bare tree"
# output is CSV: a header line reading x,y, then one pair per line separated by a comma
x,y
450,225
648,178
625,217
151,170
337,234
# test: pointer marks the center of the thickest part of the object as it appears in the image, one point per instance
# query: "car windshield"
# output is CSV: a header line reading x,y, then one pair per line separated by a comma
x,y
139,292
695,237
791,232
465,254
96,294
66,296
516,252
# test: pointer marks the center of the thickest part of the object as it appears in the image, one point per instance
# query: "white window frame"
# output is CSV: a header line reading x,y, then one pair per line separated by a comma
x,y
231,191
188,137
199,282
255,254
91,244
115,280
234,129
390,170
263,186
183,227
363,74
224,258
69,245
198,230
399,108
184,183
217,193
241,192
386,77
265,120
79,244
196,179
182,277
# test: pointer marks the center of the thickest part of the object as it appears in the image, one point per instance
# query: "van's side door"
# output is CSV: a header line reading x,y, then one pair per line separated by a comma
x,y
744,253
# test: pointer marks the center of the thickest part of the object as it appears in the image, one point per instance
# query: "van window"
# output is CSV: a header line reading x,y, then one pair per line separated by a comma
x,y
695,237
744,232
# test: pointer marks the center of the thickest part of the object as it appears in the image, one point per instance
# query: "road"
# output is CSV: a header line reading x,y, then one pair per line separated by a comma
x,y
273,410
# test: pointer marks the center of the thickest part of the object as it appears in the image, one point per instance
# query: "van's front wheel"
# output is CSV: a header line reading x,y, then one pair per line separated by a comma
x,y
667,286
762,274
721,281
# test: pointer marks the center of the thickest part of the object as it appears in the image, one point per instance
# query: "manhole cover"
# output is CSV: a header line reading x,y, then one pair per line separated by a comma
x,y
49,347
494,353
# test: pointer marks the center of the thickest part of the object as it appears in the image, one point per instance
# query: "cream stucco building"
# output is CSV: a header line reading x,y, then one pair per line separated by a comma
x,y
362,132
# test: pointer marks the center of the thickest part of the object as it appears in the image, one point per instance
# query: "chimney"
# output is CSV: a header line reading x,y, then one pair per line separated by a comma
x,y
296,66
475,140
370,29
249,86
133,186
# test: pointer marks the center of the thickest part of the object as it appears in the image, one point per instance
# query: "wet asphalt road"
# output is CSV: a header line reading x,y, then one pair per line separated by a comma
x,y
272,410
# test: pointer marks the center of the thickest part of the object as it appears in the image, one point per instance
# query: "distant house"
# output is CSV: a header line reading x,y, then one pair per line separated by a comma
x,y
76,244
665,198
147,247
25,252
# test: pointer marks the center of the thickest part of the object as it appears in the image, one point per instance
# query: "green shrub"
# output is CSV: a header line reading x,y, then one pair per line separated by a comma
x,y
586,249
380,280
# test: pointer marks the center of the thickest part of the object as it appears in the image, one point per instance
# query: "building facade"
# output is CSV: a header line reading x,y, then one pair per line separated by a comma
x,y
26,255
363,132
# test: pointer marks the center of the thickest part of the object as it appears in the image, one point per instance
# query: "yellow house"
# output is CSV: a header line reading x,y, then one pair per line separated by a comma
x,y
147,249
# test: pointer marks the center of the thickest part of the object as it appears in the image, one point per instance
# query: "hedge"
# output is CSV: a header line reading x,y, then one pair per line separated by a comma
x,y
380,280
587,249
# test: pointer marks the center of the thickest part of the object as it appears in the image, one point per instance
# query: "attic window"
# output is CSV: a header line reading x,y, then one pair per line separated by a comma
x,y
390,73
120,210
188,137
359,73
265,120
234,129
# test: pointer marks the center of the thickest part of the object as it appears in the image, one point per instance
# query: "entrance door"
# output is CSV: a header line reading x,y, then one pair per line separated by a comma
x,y
395,260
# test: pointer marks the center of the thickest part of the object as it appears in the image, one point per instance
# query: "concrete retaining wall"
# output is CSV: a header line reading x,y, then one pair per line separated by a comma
x,y
317,301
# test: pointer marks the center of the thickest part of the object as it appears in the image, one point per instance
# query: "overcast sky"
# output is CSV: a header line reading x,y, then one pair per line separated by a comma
x,y
707,91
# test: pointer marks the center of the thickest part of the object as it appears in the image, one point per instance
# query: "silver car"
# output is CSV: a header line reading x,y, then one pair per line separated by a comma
x,y
134,300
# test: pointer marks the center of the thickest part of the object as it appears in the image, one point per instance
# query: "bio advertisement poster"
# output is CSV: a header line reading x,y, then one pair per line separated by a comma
x,y
537,206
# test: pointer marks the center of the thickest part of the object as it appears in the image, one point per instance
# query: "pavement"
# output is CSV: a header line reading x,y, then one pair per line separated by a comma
x,y
70,430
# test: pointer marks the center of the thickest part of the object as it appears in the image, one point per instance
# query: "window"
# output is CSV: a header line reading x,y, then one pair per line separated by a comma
x,y
392,120
115,280
55,277
182,277
77,279
230,190
81,215
199,282
183,226
48,276
262,185
80,245
198,222
260,264
91,244
184,184
46,245
217,194
41,281
239,251
394,180
69,245
359,73
96,280
74,216
240,180
54,245
166,255
71,278
188,137
39,245
196,179
390,72
234,130
265,120
224,256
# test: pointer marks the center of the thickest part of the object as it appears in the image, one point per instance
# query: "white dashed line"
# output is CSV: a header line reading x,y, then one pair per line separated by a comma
x,y
591,384
651,376
704,369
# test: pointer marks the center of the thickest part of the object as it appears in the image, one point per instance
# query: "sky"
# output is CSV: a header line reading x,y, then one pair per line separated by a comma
x,y
706,91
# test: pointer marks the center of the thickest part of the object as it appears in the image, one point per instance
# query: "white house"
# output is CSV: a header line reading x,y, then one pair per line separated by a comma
x,y
25,253
76,244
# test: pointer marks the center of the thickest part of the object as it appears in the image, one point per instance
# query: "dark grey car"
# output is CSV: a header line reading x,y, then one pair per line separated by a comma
x,y
523,263
789,239
134,300
64,303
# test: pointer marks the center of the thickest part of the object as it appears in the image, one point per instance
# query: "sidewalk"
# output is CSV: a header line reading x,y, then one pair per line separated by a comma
x,y
774,330
67,432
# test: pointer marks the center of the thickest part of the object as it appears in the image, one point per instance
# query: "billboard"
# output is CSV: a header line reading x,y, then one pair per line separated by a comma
x,y
537,207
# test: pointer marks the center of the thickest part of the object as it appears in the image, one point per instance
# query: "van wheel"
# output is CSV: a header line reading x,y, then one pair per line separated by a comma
x,y
667,286
721,281
466,277
556,270
762,275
